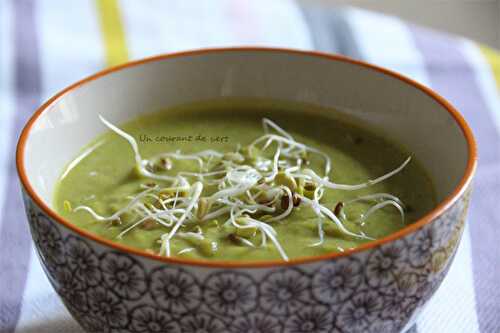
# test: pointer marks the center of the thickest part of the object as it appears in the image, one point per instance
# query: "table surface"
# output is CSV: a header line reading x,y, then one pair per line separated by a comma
x,y
45,46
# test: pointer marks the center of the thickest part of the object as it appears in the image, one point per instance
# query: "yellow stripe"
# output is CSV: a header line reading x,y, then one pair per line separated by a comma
x,y
112,32
493,58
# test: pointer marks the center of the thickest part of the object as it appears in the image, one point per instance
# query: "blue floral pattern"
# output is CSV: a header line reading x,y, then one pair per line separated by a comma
x,y
314,319
284,292
377,290
362,310
147,319
257,323
107,307
230,293
123,275
336,282
202,322
175,290
82,261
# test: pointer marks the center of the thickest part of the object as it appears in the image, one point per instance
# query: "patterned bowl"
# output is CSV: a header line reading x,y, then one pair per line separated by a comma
x,y
379,287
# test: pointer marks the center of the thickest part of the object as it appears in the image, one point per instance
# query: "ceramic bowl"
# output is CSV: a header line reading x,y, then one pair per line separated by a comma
x,y
379,287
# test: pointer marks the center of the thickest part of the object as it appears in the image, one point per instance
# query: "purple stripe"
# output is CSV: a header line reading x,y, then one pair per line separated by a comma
x,y
453,77
15,242
484,223
330,30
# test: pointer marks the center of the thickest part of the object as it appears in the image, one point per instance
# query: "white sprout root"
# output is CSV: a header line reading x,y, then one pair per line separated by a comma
x,y
243,191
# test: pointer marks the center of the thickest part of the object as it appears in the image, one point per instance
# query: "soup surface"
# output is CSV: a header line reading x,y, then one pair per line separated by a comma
x,y
243,180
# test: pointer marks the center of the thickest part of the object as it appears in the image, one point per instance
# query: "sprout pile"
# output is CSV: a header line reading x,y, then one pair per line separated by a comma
x,y
249,189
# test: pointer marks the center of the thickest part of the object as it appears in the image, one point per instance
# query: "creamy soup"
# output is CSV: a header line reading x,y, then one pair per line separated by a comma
x,y
243,180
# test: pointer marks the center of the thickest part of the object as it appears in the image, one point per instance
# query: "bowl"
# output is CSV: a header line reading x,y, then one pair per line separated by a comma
x,y
381,286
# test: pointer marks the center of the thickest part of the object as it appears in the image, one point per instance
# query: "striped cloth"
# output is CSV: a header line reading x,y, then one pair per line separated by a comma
x,y
47,44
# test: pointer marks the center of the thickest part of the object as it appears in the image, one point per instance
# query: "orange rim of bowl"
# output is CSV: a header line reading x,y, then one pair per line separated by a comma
x,y
429,217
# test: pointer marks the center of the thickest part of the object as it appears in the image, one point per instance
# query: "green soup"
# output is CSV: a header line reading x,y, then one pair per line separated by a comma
x,y
237,200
